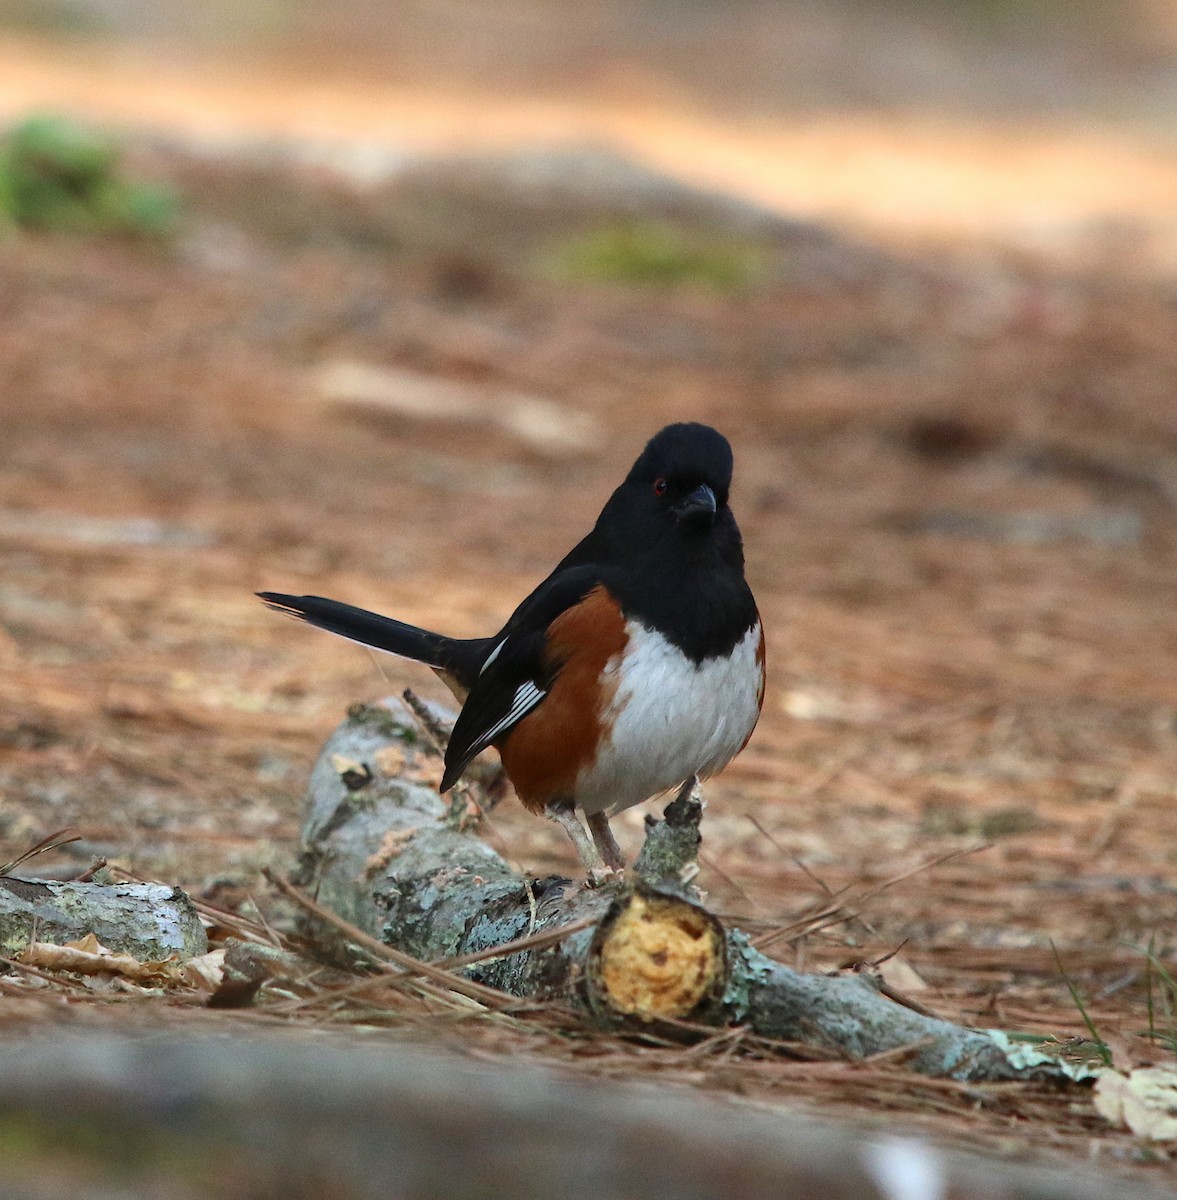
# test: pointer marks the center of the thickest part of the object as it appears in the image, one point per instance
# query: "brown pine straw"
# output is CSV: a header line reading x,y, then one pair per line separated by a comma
x,y
836,912
52,841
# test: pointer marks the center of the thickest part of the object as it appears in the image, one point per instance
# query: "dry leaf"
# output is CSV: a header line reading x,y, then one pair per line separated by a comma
x,y
206,971
87,956
902,976
1145,1100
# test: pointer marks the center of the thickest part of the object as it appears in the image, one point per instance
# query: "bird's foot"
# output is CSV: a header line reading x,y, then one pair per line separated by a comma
x,y
604,841
690,790
586,850
599,854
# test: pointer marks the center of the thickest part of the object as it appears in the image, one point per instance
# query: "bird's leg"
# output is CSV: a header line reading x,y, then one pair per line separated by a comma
x,y
606,843
586,850
689,790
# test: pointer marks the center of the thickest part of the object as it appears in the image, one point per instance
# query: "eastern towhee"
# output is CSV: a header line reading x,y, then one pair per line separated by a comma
x,y
636,666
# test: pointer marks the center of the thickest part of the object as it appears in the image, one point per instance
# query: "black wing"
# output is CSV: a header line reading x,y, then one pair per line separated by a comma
x,y
515,677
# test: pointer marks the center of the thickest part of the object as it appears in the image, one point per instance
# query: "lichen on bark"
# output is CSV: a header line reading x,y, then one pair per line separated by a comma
x,y
150,921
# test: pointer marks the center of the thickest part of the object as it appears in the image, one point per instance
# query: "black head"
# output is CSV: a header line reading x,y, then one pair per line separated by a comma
x,y
687,468
673,504
667,547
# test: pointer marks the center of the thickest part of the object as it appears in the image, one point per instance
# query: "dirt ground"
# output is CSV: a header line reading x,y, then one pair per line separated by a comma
x,y
957,482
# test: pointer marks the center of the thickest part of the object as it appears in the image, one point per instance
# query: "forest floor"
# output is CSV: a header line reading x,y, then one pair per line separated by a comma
x,y
957,483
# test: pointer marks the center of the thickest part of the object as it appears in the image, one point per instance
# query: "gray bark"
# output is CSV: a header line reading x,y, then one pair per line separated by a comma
x,y
150,921
403,864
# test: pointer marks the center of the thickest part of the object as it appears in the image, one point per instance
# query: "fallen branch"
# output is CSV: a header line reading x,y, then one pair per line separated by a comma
x,y
149,921
383,852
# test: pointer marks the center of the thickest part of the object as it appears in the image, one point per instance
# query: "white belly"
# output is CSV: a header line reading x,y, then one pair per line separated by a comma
x,y
671,718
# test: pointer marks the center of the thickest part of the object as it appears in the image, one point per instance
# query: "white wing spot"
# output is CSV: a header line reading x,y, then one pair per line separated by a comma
x,y
492,656
527,696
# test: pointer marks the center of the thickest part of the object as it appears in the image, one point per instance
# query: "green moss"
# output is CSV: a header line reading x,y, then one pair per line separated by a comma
x,y
61,177
654,254
61,18
1007,821
940,817
383,722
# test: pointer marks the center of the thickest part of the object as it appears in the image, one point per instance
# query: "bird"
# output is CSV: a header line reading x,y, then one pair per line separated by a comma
x,y
636,667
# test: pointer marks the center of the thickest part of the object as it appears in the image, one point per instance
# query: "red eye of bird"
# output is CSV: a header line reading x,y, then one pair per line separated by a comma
x,y
660,487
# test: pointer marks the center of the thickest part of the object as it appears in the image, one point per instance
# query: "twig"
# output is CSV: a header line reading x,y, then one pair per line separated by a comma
x,y
273,935
712,865
894,1055
534,941
893,993
435,732
332,996
878,962
437,739
532,907
87,876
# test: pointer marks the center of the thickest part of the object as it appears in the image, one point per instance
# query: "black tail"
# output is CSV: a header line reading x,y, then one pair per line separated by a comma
x,y
461,658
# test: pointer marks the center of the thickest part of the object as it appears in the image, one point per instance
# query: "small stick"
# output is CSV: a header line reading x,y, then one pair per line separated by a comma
x,y
712,865
532,908
87,876
52,841
534,941
893,993
435,732
895,1054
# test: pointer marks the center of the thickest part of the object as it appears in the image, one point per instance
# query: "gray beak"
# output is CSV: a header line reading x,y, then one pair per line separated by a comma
x,y
699,505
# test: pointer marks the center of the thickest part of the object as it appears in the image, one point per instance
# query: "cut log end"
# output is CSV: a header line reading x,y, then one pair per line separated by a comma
x,y
657,957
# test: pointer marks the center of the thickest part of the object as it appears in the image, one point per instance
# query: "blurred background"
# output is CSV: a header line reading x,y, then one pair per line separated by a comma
x,y
910,114
379,301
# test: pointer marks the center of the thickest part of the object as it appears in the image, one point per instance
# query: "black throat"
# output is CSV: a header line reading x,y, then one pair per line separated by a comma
x,y
689,587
